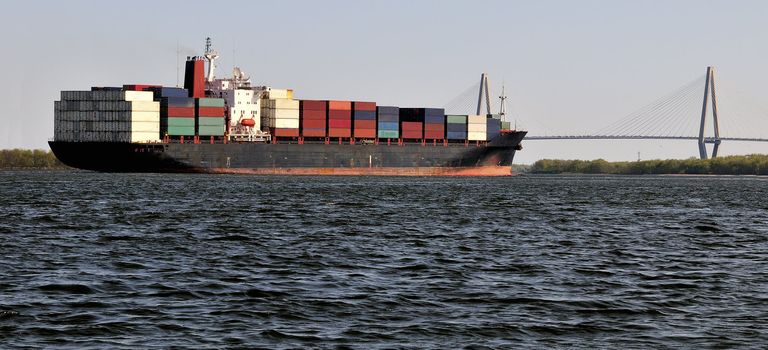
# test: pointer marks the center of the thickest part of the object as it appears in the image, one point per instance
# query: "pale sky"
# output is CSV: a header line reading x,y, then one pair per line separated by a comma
x,y
570,67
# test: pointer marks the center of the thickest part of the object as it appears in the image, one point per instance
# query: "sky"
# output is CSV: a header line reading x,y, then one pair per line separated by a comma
x,y
569,67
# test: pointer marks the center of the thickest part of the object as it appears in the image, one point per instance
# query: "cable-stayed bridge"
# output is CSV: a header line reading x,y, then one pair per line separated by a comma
x,y
689,113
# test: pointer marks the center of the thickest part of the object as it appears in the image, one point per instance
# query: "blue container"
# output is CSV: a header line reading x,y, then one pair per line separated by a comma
x,y
454,135
434,119
456,127
184,102
388,110
364,115
170,92
493,128
388,126
389,118
434,112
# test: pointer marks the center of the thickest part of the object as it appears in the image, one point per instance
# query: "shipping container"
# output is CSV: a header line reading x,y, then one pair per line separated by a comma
x,y
169,92
210,111
364,115
364,106
339,123
314,105
313,132
340,105
209,102
282,132
339,132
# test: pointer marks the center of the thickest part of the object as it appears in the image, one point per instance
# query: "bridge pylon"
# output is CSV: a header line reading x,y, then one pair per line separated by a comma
x,y
709,92
484,91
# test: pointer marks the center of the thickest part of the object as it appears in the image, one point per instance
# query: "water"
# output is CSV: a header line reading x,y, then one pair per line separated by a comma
x,y
195,261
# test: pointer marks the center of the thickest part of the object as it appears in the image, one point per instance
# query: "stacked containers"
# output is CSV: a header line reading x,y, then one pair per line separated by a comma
x,y
313,115
411,123
493,128
339,119
177,112
282,116
456,127
477,126
388,122
106,115
434,123
364,115
209,116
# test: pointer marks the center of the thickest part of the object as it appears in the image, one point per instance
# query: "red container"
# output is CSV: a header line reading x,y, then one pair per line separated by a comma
x,y
434,127
210,111
365,124
340,105
365,133
339,114
313,132
411,134
339,123
285,132
313,123
313,114
335,132
309,105
412,126
139,87
178,112
437,135
364,106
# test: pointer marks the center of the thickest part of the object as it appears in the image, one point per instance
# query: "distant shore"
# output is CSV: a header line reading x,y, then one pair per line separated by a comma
x,y
24,159
755,164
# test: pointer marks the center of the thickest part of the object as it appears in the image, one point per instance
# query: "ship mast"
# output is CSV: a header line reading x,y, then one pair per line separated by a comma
x,y
210,56
503,104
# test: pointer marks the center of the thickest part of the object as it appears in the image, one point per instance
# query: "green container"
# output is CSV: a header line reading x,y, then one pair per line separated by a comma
x,y
388,134
456,119
210,121
210,102
184,122
210,130
506,125
180,130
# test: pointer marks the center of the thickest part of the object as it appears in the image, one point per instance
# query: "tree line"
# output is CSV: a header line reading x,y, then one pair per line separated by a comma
x,y
755,164
29,159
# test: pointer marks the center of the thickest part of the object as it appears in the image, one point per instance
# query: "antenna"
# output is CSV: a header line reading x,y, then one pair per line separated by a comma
x,y
211,56
177,62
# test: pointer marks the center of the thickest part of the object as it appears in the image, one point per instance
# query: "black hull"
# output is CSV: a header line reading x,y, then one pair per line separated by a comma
x,y
493,158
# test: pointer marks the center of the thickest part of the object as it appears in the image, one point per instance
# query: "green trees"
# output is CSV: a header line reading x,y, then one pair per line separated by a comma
x,y
29,159
755,164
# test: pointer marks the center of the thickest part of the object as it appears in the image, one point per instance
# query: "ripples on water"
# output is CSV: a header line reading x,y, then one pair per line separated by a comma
x,y
101,260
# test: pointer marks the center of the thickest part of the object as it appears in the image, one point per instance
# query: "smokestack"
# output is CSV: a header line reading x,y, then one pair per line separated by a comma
x,y
194,77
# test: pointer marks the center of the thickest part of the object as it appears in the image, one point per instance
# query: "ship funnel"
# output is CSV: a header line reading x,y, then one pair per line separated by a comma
x,y
194,79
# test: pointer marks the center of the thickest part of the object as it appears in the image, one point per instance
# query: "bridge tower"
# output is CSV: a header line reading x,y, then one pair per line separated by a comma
x,y
709,91
484,91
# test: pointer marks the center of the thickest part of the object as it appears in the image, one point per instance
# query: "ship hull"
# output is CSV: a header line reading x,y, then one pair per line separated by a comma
x,y
489,159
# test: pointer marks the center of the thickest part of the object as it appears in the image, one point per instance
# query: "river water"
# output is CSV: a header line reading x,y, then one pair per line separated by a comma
x,y
91,260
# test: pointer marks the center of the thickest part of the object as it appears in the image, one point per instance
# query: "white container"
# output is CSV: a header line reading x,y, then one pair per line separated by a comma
x,y
284,103
476,136
477,119
287,123
145,106
137,116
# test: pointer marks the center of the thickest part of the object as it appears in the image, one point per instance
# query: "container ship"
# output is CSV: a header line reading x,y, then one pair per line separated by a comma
x,y
228,125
